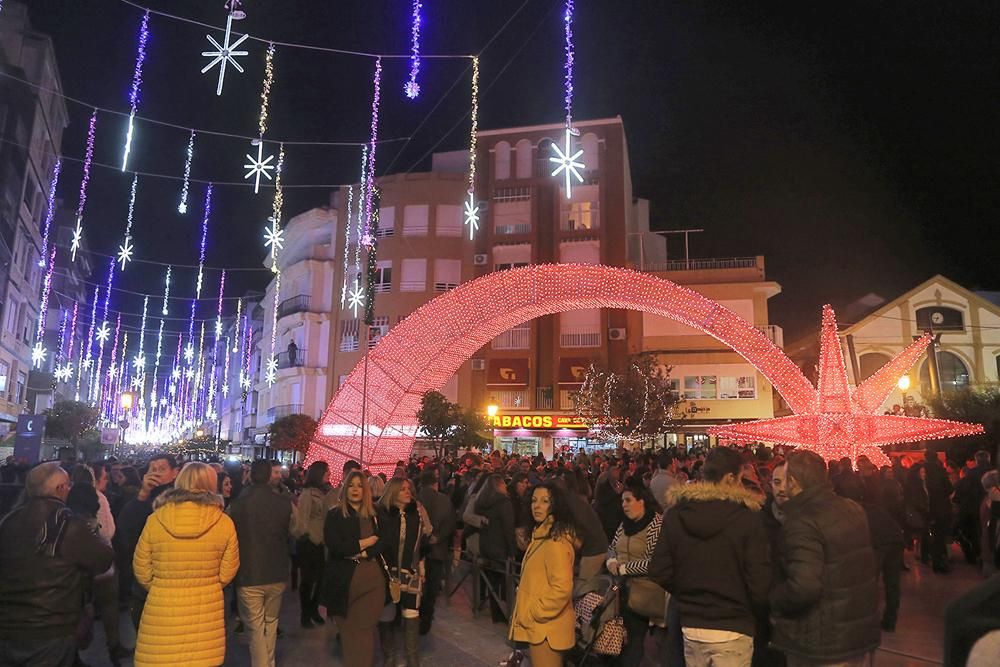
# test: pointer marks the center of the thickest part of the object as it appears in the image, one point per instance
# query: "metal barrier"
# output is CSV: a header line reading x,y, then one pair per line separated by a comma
x,y
478,566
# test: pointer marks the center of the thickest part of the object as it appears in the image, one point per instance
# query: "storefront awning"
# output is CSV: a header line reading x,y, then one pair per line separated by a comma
x,y
573,370
507,373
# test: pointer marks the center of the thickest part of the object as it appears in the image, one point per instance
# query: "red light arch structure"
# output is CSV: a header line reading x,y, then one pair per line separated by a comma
x,y
423,351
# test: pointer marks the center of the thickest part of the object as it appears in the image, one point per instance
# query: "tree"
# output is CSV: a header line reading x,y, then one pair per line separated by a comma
x,y
436,418
69,420
980,406
627,407
469,428
292,432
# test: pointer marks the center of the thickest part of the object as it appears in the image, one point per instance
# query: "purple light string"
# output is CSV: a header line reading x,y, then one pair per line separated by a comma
x,y
568,99
46,288
50,211
368,239
72,331
88,159
411,87
204,237
133,96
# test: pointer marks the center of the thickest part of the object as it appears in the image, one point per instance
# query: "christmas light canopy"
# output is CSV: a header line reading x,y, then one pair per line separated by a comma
x,y
841,421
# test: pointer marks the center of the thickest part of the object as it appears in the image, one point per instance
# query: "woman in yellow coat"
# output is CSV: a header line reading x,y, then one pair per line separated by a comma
x,y
543,613
187,553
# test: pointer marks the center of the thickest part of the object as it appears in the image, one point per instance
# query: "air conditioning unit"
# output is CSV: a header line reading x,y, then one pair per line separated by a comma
x,y
616,334
479,259
479,364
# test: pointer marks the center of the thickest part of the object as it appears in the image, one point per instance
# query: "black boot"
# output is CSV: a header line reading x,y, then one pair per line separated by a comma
x,y
411,639
388,640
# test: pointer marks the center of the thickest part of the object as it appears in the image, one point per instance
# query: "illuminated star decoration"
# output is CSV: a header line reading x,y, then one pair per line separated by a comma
x,y
139,361
224,53
189,373
567,163
189,353
356,299
845,421
38,354
103,333
125,251
274,237
472,215
64,373
272,369
258,166
176,374
77,238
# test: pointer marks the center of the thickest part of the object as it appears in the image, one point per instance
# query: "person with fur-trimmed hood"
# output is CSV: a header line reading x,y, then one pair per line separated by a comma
x,y
712,556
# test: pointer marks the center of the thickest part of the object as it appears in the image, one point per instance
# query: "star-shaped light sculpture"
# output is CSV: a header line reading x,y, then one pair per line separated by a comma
x,y
111,372
176,374
87,363
274,237
224,53
845,421
356,298
103,333
189,353
137,382
472,215
172,389
272,371
125,251
567,163
38,354
64,373
77,239
258,166
139,361
189,373
225,390
244,380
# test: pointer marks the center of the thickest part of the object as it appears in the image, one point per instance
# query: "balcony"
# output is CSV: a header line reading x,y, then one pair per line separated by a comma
x,y
285,361
514,339
296,304
774,333
510,399
543,398
279,411
413,286
504,230
444,287
703,264
579,337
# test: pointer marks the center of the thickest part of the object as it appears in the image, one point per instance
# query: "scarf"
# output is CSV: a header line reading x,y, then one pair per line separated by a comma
x,y
631,527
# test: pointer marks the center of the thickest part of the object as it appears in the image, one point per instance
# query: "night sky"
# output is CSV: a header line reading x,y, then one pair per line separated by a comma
x,y
854,144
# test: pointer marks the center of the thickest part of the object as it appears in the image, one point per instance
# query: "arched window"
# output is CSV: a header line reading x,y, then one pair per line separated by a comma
x,y
542,165
952,371
590,145
870,363
501,161
523,159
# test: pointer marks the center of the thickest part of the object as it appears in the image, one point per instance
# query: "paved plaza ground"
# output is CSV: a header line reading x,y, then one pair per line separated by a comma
x,y
460,640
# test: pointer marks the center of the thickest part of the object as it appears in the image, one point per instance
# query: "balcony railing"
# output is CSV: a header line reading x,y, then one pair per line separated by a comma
x,y
295,304
521,228
385,232
510,399
285,360
543,398
586,337
382,288
413,286
774,333
279,411
514,339
703,264
444,287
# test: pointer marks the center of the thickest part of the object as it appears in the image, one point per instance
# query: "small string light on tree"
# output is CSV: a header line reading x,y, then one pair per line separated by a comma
x,y
566,161
183,206
411,87
50,212
225,53
133,96
87,161
471,207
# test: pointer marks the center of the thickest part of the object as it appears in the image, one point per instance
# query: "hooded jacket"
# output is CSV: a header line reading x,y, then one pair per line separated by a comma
x,y
712,556
186,554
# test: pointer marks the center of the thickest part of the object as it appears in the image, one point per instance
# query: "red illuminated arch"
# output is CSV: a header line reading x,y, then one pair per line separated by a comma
x,y
423,351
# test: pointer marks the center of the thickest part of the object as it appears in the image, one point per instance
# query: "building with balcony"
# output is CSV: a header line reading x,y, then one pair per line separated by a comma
x,y
237,412
32,118
716,385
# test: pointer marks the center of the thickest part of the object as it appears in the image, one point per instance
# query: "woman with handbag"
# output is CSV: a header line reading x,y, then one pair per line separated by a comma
x,y
403,526
354,586
628,557
543,612
313,506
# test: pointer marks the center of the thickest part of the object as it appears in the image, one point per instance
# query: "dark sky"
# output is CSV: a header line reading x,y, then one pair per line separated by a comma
x,y
854,144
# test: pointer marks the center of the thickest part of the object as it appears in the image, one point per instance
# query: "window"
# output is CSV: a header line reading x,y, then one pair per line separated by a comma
x,y
4,374
508,265
22,379
414,275
699,387
383,276
448,220
501,161
447,274
580,328
511,256
379,328
349,336
386,222
577,215
952,370
939,318
868,364
415,219
512,217
523,148
580,252
743,386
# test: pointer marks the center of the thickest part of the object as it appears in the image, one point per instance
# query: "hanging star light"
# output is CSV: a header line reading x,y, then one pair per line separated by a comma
x,y
103,333
356,299
139,361
274,237
125,251
567,163
258,166
472,215
272,370
846,422
471,207
189,353
64,373
38,354
224,53
84,182
411,88
176,374
77,238
189,373
140,58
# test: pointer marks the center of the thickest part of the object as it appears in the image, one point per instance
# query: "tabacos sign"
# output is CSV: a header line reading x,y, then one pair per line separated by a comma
x,y
537,422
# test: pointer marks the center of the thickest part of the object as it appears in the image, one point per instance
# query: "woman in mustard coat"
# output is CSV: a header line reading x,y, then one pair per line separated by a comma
x,y
543,613
187,553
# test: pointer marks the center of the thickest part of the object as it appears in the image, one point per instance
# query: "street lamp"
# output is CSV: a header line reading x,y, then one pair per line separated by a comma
x,y
904,384
125,400
492,410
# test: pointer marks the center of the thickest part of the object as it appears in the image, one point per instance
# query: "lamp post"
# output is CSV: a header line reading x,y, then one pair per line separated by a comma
x,y
904,385
125,401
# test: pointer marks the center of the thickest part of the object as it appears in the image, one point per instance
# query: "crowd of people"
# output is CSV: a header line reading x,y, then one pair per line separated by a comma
x,y
724,556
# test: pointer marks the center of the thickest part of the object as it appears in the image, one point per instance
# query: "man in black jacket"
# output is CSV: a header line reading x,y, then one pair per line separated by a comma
x,y
46,556
969,494
712,556
442,515
824,605
264,519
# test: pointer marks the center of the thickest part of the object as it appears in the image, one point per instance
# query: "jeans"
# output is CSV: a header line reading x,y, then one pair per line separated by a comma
x,y
259,608
59,652
733,653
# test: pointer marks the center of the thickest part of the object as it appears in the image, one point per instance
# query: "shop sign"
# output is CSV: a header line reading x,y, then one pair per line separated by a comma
x,y
538,422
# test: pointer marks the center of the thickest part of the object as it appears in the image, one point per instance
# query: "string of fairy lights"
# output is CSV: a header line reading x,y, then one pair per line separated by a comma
x,y
178,387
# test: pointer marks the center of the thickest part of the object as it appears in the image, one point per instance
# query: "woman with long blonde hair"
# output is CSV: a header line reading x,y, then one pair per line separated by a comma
x,y
354,583
186,554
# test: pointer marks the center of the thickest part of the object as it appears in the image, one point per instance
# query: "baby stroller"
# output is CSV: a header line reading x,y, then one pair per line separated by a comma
x,y
600,632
